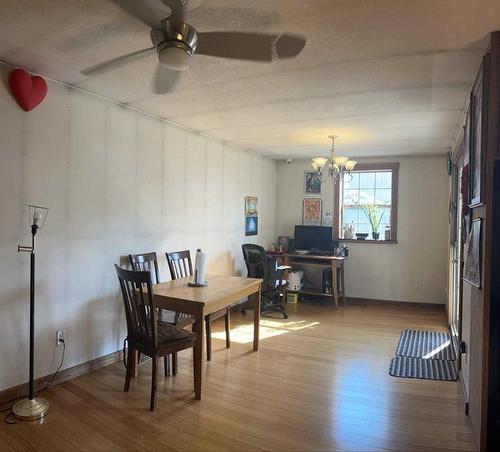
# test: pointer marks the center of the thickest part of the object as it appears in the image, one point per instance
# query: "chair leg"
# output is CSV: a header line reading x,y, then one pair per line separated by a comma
x,y
227,321
154,373
208,328
166,365
128,374
174,363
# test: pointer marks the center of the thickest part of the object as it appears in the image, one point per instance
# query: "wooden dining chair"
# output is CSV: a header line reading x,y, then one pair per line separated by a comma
x,y
146,262
144,333
149,262
180,266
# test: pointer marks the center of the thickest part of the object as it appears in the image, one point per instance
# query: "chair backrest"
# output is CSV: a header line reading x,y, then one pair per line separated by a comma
x,y
179,264
256,261
140,311
146,262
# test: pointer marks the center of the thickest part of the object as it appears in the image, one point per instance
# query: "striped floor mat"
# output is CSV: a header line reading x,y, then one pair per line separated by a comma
x,y
429,369
426,344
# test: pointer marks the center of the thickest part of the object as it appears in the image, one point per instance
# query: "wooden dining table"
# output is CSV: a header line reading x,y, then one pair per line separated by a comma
x,y
221,292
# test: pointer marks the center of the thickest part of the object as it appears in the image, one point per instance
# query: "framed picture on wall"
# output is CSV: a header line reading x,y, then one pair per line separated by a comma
x,y
251,225
311,212
475,141
312,183
251,215
473,254
251,206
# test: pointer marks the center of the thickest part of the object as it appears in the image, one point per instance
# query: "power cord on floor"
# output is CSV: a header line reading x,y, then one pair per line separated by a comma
x,y
58,369
9,418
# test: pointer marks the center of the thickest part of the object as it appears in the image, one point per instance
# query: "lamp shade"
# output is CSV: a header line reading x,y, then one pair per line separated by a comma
x,y
319,162
37,215
340,160
350,164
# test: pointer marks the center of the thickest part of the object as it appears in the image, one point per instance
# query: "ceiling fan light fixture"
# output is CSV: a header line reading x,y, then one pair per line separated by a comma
x,y
175,44
175,58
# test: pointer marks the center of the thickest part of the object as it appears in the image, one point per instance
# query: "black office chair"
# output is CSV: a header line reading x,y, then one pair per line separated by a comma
x,y
260,265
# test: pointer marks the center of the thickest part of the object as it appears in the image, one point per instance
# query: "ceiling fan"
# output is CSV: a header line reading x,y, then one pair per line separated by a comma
x,y
175,42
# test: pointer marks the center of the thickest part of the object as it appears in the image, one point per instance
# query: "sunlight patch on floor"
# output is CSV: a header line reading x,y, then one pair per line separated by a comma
x,y
243,334
437,350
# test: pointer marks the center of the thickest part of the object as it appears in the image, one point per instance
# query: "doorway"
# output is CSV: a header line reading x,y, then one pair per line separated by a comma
x,y
459,307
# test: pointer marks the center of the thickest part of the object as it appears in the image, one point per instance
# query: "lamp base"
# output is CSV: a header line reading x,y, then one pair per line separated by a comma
x,y
30,410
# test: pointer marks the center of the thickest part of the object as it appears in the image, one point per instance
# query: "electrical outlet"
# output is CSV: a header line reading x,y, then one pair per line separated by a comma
x,y
60,337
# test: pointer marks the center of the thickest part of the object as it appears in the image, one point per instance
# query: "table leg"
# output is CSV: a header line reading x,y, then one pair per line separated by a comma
x,y
335,294
342,281
197,354
256,319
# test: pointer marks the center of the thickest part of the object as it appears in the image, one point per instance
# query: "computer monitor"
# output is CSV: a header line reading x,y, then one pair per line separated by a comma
x,y
313,238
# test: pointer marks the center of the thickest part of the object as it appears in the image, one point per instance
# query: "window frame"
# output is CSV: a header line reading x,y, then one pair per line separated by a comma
x,y
394,168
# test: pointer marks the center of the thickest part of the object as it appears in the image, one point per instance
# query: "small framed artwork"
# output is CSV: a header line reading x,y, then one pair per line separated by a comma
x,y
251,215
251,206
473,254
312,183
475,142
311,212
251,225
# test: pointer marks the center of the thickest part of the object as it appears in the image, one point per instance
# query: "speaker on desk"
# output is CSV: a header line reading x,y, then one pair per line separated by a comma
x,y
290,245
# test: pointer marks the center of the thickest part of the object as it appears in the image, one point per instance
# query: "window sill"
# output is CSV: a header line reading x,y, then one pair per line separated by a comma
x,y
375,242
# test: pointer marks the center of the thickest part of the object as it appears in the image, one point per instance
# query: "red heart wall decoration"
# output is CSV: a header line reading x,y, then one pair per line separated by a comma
x,y
27,90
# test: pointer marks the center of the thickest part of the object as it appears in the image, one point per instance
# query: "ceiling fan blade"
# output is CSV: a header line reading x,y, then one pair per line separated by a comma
x,y
164,79
289,46
250,46
109,64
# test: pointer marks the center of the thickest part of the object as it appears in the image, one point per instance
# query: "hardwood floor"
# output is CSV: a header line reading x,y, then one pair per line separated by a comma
x,y
318,382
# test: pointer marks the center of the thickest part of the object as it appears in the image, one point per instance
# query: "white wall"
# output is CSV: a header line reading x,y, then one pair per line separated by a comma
x,y
116,182
414,269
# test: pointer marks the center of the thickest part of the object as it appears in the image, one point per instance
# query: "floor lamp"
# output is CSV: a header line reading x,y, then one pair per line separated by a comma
x,y
33,407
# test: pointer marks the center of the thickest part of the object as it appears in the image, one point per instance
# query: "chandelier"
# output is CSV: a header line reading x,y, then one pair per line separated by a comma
x,y
336,166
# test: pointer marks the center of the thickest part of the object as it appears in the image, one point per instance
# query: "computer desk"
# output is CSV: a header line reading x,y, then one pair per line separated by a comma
x,y
336,263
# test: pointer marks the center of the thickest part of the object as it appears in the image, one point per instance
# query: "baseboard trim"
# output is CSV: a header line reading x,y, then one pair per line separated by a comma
x,y
463,392
64,375
406,304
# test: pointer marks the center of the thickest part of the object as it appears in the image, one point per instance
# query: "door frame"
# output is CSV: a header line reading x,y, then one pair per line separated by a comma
x,y
456,253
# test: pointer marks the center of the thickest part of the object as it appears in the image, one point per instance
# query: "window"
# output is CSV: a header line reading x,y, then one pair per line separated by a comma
x,y
367,202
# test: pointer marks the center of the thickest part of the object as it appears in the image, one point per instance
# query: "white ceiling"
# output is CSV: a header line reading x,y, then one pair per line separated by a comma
x,y
388,76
